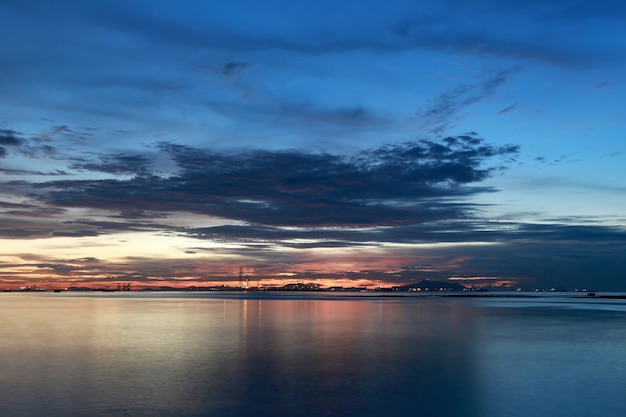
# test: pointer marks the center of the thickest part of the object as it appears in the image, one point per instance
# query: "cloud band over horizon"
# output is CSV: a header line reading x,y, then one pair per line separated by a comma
x,y
394,214
173,143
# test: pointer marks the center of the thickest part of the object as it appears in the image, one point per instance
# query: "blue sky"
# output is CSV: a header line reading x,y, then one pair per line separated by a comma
x,y
364,143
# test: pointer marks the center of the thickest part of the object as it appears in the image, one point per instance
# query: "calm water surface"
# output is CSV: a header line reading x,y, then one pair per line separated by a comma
x,y
206,354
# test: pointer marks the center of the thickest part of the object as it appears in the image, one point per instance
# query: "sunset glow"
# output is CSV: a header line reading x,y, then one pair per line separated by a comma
x,y
172,145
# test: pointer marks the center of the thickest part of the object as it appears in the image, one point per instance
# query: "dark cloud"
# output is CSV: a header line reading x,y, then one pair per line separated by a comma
x,y
232,69
9,171
35,212
288,237
413,182
37,145
60,269
24,233
78,269
140,214
10,138
100,227
75,233
571,233
5,204
119,164
21,220
29,221
403,193
526,255
86,260
550,255
459,232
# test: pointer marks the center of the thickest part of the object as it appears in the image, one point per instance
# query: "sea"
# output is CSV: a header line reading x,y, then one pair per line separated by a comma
x,y
310,354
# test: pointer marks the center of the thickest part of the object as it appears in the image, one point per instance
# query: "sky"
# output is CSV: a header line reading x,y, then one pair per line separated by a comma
x,y
352,143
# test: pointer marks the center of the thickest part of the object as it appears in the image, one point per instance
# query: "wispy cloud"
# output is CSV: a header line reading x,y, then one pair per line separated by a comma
x,y
409,27
297,113
440,114
49,136
507,110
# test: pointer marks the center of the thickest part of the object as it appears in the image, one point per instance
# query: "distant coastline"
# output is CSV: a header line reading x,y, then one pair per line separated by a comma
x,y
415,290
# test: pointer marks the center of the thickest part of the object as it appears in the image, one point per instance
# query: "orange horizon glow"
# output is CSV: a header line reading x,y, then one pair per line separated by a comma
x,y
103,262
252,284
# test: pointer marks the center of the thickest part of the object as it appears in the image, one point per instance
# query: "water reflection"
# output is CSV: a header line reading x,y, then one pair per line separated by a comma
x,y
553,358
352,357
152,355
